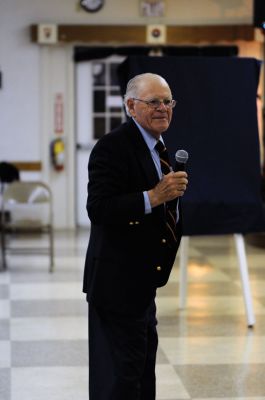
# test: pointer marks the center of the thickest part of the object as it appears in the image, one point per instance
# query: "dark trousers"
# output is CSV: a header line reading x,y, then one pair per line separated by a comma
x,y
122,355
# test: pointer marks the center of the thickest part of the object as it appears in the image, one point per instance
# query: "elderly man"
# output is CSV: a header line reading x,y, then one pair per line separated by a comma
x,y
133,205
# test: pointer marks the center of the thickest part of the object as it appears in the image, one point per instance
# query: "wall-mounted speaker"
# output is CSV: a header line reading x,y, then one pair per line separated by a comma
x,y
259,13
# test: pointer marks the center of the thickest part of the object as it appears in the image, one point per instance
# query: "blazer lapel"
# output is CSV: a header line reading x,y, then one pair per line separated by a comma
x,y
142,153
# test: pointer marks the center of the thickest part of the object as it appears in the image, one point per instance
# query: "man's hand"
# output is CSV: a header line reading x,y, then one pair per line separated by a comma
x,y
171,186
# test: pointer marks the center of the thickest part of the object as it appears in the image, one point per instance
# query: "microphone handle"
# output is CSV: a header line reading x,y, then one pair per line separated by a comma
x,y
179,166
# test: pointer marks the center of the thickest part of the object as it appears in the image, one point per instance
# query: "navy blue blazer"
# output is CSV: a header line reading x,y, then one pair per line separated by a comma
x,y
127,257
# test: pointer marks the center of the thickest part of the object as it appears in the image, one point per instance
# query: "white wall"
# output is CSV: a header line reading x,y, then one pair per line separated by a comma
x,y
33,74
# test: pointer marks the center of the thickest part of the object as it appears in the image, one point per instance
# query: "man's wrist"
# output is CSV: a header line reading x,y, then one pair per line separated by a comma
x,y
153,198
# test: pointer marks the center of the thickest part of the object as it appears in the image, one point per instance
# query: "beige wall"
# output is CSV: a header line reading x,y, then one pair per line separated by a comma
x,y
177,12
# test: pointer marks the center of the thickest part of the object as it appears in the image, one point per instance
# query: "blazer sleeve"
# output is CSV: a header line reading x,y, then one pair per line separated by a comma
x,y
110,198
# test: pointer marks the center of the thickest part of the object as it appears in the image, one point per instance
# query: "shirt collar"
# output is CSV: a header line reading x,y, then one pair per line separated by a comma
x,y
148,138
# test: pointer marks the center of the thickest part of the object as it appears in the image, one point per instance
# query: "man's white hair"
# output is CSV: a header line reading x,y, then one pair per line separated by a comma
x,y
134,85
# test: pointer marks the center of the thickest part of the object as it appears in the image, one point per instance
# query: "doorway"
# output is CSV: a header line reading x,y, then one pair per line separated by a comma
x,y
99,109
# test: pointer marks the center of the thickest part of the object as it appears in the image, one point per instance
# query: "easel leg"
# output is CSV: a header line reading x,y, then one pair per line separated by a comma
x,y
243,268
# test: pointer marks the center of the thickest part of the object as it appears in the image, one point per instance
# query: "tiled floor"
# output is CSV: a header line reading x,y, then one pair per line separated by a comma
x,y
205,351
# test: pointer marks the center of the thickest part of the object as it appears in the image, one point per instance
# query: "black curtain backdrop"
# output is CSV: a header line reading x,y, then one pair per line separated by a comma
x,y
215,120
86,53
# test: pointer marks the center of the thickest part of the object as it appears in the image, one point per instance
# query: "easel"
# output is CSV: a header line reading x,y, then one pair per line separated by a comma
x,y
243,268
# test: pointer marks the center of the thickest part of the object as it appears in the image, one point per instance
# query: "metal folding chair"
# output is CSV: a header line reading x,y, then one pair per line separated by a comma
x,y
29,205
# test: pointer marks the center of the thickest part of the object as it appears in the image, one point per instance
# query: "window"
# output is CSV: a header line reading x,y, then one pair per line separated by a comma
x,y
108,111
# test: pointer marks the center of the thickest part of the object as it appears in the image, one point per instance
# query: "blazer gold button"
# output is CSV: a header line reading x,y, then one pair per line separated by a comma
x,y
131,223
158,268
137,222
164,241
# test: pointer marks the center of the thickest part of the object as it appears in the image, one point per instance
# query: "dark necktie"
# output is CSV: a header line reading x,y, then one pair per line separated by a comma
x,y
170,207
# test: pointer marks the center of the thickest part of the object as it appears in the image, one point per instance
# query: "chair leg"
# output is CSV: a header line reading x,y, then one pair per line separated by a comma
x,y
243,268
3,249
51,251
2,252
2,232
184,249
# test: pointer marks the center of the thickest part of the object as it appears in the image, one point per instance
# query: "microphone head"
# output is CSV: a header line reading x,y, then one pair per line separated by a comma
x,y
182,156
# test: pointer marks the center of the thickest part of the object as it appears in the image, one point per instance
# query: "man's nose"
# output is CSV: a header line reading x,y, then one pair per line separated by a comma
x,y
162,106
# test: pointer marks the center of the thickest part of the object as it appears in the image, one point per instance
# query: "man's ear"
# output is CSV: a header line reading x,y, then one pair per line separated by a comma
x,y
130,105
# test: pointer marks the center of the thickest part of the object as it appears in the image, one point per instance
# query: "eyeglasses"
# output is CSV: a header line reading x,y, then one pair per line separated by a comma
x,y
155,103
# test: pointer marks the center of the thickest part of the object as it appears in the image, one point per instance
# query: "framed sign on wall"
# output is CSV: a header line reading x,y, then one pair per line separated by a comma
x,y
152,8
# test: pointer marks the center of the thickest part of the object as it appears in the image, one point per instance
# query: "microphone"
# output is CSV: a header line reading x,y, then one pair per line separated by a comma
x,y
181,158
